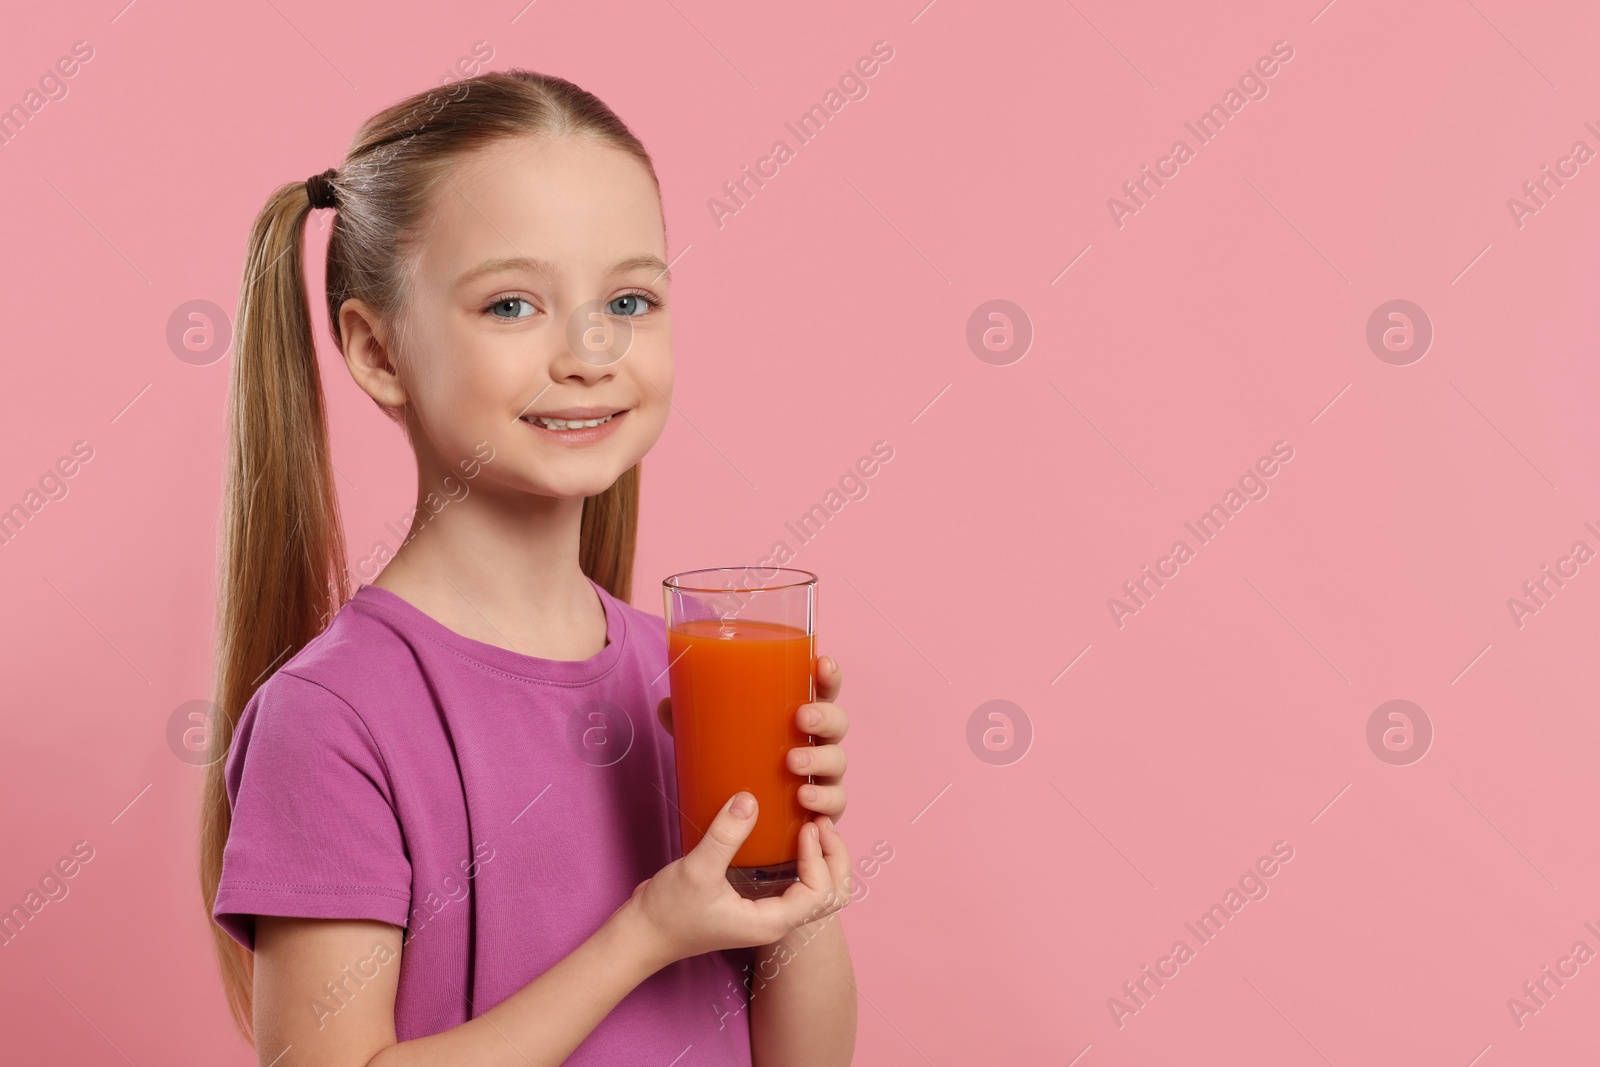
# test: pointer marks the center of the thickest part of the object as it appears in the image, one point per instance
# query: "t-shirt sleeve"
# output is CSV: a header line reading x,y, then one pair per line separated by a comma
x,y
314,831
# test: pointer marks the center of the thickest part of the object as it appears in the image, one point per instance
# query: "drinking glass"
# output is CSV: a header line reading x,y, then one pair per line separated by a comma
x,y
740,645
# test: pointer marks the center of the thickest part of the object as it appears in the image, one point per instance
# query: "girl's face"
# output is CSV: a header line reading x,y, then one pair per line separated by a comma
x,y
540,288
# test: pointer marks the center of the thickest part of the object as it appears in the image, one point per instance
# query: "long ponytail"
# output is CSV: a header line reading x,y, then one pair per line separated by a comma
x,y
283,572
282,560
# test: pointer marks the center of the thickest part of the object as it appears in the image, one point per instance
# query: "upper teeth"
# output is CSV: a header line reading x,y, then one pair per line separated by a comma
x,y
569,424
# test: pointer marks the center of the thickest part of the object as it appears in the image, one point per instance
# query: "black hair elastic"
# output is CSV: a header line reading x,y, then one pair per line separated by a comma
x,y
320,188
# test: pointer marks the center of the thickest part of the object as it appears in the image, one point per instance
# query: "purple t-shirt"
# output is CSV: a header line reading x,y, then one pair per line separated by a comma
x,y
498,806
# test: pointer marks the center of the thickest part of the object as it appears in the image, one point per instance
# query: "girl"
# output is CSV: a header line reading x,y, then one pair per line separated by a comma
x,y
412,849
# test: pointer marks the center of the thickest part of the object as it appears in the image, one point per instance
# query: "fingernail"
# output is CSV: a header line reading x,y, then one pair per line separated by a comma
x,y
744,805
832,666
813,716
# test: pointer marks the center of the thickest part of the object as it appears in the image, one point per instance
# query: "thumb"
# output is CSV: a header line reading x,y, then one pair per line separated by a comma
x,y
710,858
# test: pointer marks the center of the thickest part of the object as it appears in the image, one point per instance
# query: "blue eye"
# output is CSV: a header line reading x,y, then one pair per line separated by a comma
x,y
634,304
509,300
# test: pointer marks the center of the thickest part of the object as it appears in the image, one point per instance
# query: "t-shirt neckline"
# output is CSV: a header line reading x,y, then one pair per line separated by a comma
x,y
416,621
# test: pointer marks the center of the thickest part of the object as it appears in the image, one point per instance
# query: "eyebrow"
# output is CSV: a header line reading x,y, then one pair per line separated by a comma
x,y
550,270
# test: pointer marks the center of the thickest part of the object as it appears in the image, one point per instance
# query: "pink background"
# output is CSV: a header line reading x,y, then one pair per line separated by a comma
x,y
829,313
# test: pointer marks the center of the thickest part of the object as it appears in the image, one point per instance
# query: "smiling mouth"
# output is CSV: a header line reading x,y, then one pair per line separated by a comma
x,y
568,424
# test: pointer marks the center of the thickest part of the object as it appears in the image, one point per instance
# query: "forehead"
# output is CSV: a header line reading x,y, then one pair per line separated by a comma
x,y
574,201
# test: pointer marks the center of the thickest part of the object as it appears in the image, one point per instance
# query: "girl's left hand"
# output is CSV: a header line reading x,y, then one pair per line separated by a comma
x,y
824,761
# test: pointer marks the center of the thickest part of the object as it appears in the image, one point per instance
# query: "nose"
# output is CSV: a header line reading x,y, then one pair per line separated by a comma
x,y
595,341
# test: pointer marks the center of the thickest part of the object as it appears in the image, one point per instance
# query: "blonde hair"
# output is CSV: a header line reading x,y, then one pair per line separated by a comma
x,y
282,567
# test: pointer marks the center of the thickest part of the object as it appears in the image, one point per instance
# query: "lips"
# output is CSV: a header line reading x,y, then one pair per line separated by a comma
x,y
564,422
580,435
593,412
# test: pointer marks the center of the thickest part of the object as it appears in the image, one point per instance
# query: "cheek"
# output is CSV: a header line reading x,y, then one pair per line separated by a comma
x,y
466,392
655,366
649,421
466,375
444,392
655,390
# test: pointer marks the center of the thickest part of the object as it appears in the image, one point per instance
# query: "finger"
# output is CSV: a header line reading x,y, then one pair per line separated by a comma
x,y
664,713
831,866
837,856
826,761
710,858
813,867
821,870
799,903
823,719
829,678
826,800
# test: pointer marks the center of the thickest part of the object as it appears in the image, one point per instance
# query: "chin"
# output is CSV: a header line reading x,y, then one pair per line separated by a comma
x,y
575,487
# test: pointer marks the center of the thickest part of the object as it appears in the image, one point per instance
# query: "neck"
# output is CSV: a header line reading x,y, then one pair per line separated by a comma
x,y
498,565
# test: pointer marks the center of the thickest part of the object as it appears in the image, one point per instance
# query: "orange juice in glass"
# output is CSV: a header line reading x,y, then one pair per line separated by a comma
x,y
740,645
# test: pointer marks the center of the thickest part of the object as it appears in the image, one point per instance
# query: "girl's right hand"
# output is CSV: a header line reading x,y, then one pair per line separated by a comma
x,y
690,906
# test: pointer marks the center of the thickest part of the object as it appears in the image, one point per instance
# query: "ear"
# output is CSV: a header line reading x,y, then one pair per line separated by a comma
x,y
366,353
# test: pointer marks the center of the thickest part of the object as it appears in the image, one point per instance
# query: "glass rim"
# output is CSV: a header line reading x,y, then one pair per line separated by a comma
x,y
675,581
